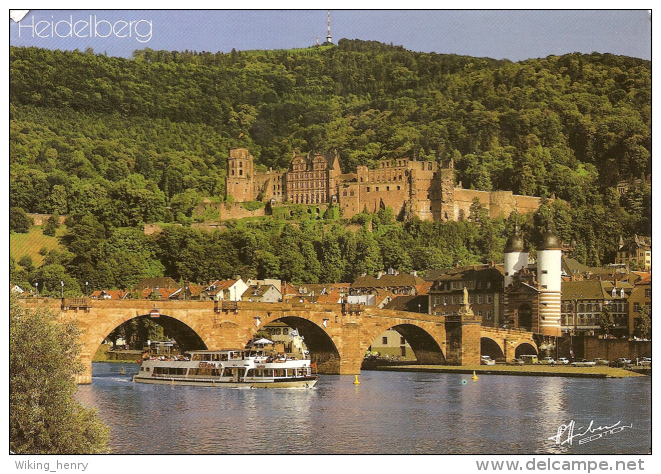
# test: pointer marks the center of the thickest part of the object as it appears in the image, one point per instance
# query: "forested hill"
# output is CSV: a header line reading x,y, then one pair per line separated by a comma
x,y
143,139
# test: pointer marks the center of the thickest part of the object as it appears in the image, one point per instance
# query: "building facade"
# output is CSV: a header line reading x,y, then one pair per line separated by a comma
x,y
424,189
636,253
485,293
584,301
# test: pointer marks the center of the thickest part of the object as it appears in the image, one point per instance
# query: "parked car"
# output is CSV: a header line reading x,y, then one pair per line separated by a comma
x,y
621,362
644,361
486,360
562,360
529,359
547,360
583,363
600,361
517,361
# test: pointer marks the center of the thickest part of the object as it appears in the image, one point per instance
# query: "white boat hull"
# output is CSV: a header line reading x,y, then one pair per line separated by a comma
x,y
304,382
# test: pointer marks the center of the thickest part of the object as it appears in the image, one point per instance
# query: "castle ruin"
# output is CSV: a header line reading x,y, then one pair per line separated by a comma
x,y
410,187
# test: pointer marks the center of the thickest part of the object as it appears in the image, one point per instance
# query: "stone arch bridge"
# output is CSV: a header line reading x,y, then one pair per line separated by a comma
x,y
337,335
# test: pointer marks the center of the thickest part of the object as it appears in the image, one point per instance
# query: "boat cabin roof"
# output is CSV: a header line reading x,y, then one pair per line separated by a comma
x,y
220,351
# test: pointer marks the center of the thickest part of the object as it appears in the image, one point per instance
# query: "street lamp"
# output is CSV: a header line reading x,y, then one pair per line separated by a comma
x,y
86,285
62,284
36,284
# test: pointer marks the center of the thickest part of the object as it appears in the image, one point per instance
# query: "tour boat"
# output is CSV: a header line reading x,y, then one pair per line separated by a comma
x,y
228,368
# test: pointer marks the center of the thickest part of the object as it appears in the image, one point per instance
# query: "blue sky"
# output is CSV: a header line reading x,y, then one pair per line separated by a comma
x,y
499,34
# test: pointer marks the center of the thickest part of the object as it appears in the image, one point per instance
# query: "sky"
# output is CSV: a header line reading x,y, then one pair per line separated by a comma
x,y
500,34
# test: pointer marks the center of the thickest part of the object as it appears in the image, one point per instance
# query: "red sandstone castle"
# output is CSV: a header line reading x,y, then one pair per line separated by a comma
x,y
412,188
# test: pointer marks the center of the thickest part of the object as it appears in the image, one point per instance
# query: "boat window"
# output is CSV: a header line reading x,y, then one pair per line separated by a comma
x,y
196,357
215,357
223,356
259,373
207,357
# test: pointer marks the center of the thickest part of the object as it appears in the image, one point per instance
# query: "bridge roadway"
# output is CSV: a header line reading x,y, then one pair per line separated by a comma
x,y
337,335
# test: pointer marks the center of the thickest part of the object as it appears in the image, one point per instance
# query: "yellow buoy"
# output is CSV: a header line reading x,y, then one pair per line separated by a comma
x,y
474,376
356,381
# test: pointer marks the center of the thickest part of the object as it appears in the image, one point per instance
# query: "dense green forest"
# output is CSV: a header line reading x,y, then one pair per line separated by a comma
x,y
114,143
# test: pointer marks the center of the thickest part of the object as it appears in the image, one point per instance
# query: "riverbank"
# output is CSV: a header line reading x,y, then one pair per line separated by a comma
x,y
533,370
104,354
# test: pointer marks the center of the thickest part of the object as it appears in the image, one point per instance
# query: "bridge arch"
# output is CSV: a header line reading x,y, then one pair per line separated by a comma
x,y
323,350
426,348
525,348
490,347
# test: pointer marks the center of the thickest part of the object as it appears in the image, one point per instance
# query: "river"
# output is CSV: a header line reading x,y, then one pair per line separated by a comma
x,y
389,412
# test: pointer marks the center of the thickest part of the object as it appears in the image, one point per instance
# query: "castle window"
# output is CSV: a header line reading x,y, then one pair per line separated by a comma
x,y
240,172
240,164
344,193
351,193
377,188
368,189
398,187
232,172
387,188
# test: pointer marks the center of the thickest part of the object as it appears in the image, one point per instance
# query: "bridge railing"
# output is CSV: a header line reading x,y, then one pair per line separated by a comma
x,y
75,304
352,308
225,306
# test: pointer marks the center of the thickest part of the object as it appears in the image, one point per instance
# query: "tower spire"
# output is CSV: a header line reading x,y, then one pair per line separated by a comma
x,y
329,38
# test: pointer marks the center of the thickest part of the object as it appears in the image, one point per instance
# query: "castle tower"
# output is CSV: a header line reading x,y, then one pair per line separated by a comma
x,y
549,279
515,257
446,177
240,175
329,38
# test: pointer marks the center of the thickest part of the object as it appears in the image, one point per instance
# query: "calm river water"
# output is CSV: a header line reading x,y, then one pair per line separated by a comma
x,y
416,413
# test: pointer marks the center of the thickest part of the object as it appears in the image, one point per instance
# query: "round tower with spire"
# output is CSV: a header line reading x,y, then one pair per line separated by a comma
x,y
549,279
516,257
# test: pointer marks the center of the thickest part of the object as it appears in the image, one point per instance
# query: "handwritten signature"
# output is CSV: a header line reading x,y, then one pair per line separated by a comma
x,y
566,434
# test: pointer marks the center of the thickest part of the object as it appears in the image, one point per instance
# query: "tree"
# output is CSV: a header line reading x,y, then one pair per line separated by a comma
x,y
19,221
51,225
606,321
644,325
44,418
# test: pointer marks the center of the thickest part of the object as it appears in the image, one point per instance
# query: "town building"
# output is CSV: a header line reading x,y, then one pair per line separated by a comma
x,y
225,290
110,294
584,301
641,296
425,189
391,345
635,253
262,294
391,281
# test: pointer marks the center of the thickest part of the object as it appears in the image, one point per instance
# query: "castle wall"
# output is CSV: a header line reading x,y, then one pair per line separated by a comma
x,y
269,185
498,203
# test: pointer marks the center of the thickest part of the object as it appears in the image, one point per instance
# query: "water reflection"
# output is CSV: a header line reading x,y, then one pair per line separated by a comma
x,y
387,413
